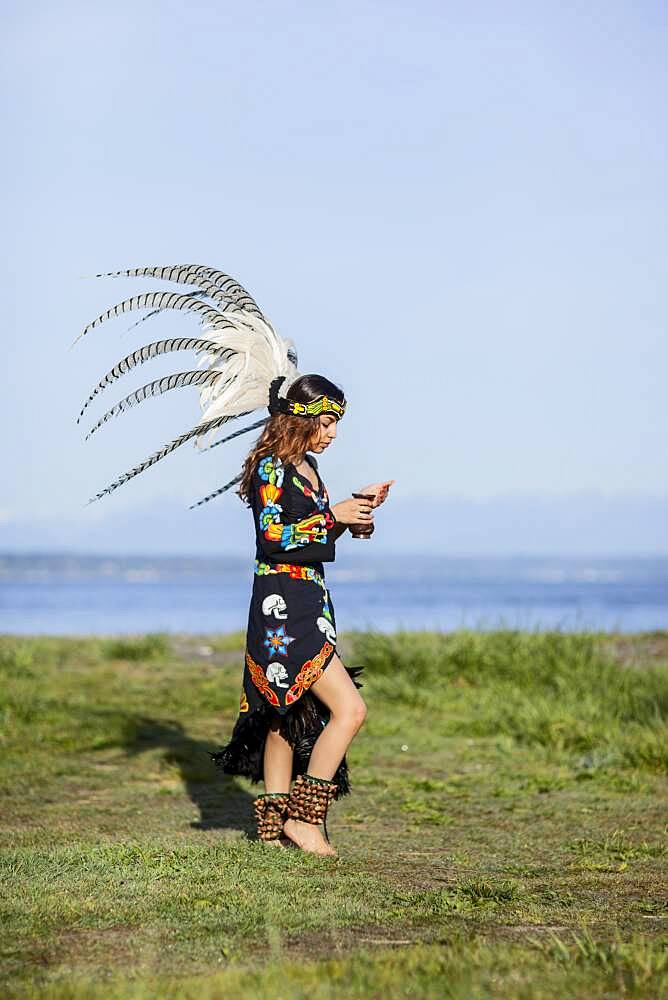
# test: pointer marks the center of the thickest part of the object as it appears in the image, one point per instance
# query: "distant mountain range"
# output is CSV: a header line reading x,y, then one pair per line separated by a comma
x,y
590,523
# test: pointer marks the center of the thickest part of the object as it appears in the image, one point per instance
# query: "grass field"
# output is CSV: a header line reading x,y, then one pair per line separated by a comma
x,y
506,835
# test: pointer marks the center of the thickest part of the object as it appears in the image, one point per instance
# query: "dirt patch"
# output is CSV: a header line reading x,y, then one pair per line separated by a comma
x,y
342,940
638,650
82,948
339,941
115,944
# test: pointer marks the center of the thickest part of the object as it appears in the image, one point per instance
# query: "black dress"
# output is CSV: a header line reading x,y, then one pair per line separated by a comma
x,y
291,636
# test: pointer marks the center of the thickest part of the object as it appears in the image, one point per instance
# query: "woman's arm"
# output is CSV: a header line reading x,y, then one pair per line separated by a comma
x,y
351,511
310,539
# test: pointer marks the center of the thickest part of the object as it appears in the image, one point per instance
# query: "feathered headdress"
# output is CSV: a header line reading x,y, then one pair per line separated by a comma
x,y
244,365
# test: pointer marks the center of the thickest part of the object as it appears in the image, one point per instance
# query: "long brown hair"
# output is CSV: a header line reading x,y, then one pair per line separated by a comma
x,y
285,435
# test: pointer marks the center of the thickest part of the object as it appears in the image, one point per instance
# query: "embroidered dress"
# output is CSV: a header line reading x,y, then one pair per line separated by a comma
x,y
291,636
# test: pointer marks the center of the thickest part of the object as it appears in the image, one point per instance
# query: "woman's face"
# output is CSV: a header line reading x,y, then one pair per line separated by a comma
x,y
325,432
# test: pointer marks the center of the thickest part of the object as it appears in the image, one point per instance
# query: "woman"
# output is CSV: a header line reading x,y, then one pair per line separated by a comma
x,y
300,707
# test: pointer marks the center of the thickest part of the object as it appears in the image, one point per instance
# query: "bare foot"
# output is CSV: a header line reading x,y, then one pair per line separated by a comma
x,y
308,837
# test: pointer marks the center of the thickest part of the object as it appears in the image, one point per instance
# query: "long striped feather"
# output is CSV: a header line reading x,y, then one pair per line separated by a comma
x,y
251,427
143,354
156,312
193,274
217,493
167,449
164,300
157,388
232,288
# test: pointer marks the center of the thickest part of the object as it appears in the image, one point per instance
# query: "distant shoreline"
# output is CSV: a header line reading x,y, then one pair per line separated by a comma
x,y
71,594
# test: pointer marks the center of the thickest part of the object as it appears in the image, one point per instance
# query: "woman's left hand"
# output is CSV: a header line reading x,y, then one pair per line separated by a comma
x,y
379,491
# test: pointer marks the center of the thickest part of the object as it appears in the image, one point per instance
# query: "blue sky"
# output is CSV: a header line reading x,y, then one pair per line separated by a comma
x,y
458,212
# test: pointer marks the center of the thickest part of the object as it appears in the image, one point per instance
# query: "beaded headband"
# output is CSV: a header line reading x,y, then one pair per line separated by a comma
x,y
323,404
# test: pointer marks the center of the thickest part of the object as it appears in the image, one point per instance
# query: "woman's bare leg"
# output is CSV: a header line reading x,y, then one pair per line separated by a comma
x,y
347,713
277,762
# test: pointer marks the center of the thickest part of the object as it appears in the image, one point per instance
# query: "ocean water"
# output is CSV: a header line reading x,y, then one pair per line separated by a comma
x,y
83,595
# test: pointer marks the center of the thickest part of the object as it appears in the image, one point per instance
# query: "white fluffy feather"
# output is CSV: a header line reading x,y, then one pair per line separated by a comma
x,y
260,356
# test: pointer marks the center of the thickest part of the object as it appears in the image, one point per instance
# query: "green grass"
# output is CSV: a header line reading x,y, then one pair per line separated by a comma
x,y
506,835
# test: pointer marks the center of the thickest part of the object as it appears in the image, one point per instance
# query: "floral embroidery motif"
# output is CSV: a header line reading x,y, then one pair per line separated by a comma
x,y
308,674
277,641
271,471
270,514
243,702
260,681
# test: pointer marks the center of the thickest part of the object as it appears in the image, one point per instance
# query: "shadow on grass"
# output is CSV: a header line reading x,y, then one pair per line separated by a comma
x,y
222,802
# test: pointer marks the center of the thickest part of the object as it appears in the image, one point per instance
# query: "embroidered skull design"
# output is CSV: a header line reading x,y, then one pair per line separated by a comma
x,y
274,605
277,674
326,627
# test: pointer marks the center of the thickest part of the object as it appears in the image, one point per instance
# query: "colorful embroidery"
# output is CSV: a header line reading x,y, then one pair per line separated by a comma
x,y
277,641
243,702
321,501
269,493
271,470
289,536
270,514
295,571
308,674
260,681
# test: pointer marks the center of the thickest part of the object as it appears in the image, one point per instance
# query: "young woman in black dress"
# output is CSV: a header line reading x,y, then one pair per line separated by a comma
x,y
300,707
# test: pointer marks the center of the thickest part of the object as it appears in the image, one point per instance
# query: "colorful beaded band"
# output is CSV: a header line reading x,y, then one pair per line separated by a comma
x,y
313,409
295,571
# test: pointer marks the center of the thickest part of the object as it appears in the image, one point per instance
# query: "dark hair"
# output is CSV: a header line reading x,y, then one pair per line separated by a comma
x,y
285,435
308,387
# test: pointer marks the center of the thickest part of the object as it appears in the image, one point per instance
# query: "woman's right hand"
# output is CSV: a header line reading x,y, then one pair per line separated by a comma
x,y
353,511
